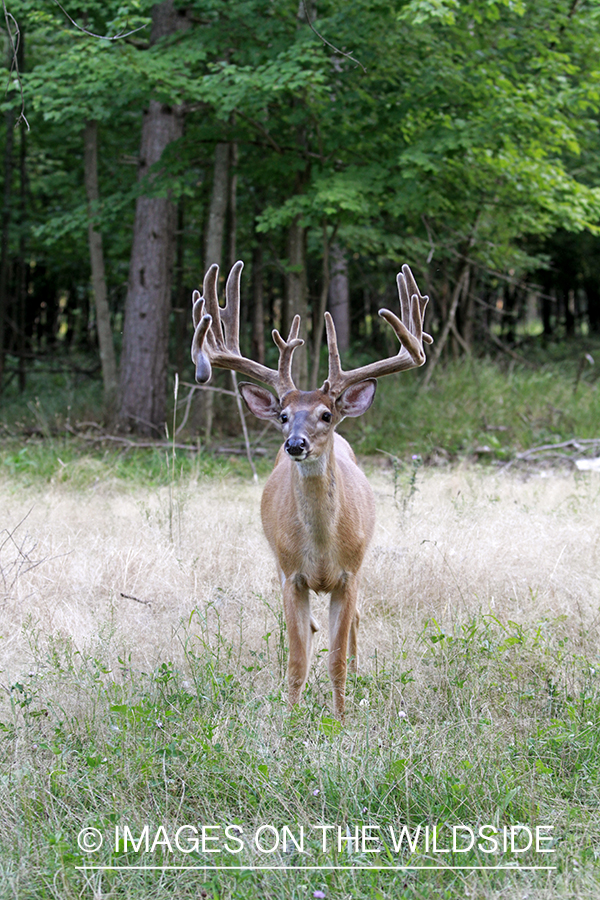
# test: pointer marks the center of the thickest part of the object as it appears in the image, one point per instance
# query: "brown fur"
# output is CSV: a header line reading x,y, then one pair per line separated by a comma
x,y
318,515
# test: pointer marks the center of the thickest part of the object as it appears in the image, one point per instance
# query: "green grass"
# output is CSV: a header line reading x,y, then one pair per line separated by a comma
x,y
472,404
504,734
69,460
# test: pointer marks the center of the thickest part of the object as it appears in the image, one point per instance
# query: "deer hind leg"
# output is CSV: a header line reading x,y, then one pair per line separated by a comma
x,y
343,627
353,643
300,627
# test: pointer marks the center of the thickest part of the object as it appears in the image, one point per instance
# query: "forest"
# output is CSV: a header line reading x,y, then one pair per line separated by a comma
x,y
325,143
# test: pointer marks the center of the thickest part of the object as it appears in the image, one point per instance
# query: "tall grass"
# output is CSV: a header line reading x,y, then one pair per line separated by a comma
x,y
143,684
474,406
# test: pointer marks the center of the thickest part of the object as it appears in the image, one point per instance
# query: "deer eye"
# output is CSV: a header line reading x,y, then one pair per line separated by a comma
x,y
326,417
283,418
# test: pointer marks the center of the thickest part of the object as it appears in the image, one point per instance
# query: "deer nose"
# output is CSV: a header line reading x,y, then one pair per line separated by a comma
x,y
296,446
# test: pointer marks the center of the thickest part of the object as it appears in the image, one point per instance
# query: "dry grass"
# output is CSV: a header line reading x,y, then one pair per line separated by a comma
x,y
462,543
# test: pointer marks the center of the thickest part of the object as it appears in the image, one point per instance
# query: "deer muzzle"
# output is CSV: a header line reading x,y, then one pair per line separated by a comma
x,y
297,447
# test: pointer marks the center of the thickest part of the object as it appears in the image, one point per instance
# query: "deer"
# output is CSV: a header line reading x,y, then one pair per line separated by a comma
x,y
317,508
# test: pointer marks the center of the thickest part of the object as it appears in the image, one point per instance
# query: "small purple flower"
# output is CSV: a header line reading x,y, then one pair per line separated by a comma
x,y
319,895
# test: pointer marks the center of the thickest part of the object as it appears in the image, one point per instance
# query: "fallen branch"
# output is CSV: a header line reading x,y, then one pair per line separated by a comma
x,y
516,356
137,599
238,451
551,451
575,443
130,444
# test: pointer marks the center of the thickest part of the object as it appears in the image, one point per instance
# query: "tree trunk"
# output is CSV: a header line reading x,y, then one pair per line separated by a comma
x,y
546,310
105,338
233,161
318,321
9,119
213,249
145,333
258,304
339,297
215,229
570,312
297,298
182,307
592,292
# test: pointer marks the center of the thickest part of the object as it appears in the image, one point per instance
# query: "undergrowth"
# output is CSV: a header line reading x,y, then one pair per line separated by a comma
x,y
474,408
69,461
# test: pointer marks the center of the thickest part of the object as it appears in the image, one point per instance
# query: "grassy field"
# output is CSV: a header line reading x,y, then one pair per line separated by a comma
x,y
143,690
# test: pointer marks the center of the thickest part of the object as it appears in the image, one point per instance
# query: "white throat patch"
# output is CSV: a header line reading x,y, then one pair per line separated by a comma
x,y
312,466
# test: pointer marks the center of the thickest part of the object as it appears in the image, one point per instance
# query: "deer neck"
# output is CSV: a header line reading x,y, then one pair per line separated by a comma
x,y
316,490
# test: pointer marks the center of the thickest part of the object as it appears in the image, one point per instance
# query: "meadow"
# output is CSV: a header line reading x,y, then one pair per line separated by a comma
x,y
142,690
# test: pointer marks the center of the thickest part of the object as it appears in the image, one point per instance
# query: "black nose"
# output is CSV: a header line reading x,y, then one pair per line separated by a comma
x,y
296,446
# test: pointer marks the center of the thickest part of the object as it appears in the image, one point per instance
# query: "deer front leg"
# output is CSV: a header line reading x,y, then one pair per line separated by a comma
x,y
300,628
343,628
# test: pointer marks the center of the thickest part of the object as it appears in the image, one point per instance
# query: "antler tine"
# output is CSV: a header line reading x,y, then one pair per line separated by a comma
x,y
202,324
216,340
408,329
211,303
230,313
197,308
286,352
409,294
336,373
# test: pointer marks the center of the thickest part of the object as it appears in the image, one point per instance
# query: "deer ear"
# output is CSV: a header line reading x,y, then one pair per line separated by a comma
x,y
357,398
261,402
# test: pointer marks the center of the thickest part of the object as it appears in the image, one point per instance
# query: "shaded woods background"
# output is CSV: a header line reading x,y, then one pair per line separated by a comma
x,y
325,143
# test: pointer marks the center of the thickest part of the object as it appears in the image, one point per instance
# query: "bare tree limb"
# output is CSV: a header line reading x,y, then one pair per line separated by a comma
x,y
101,37
238,401
321,38
448,327
14,41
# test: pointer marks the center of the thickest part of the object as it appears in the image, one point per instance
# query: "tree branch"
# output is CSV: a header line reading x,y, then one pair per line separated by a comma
x,y
101,37
14,41
321,38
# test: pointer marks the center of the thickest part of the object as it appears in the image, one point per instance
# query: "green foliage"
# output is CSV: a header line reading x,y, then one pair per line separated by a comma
x,y
470,114
451,131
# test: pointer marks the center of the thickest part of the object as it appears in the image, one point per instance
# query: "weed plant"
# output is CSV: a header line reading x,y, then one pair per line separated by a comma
x,y
503,734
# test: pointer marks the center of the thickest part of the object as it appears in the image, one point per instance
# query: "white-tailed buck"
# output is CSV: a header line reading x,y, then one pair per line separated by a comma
x,y
318,510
